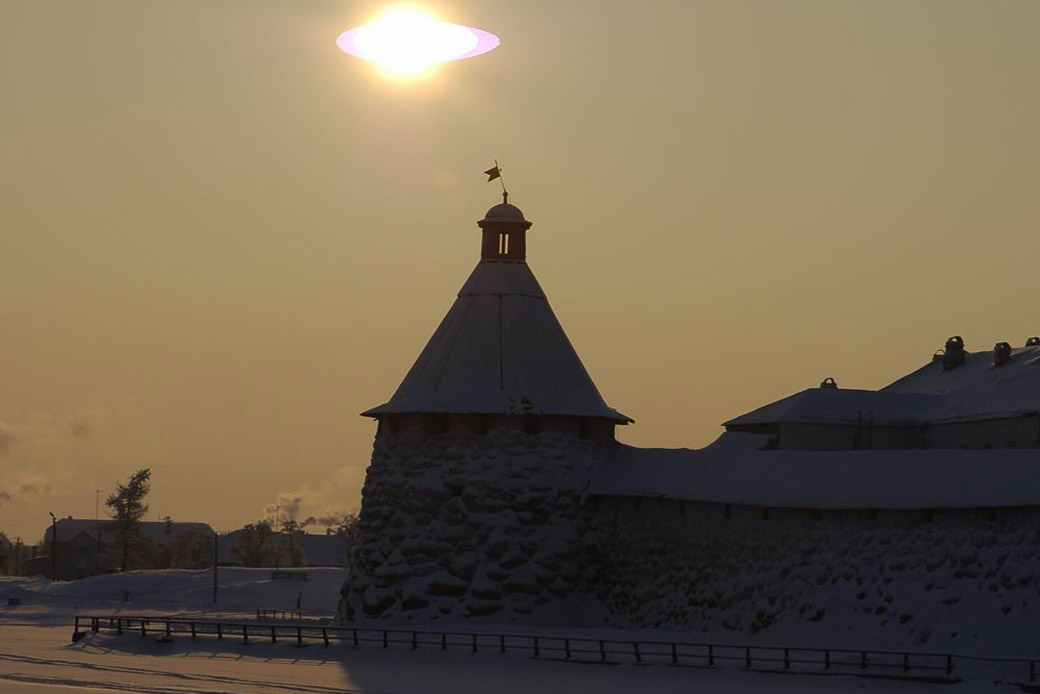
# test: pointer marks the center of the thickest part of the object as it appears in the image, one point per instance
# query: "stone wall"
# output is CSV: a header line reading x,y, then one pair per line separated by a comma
x,y
904,576
460,525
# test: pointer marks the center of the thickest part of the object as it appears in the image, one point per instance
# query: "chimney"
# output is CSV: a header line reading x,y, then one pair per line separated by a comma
x,y
953,355
1001,353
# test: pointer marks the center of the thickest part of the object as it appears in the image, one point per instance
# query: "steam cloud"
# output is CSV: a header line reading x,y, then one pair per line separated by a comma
x,y
8,437
323,505
9,492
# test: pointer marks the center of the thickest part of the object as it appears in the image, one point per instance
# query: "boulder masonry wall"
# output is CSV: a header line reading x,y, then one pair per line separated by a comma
x,y
902,576
465,525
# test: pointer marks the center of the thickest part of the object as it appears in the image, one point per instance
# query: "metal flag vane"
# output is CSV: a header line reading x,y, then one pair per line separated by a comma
x,y
496,172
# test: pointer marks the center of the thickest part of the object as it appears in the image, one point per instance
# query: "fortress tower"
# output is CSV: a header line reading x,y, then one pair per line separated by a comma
x,y
474,500
499,359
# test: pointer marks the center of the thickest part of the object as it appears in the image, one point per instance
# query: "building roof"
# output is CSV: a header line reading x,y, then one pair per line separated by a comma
x,y
974,389
736,470
840,406
977,389
157,531
499,350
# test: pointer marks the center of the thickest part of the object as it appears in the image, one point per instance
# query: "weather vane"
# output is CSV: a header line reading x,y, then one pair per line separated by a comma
x,y
496,172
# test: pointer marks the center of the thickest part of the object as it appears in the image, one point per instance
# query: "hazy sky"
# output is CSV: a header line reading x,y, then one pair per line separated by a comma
x,y
221,238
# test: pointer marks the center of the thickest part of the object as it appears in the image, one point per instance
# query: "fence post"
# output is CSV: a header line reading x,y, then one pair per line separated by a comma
x,y
355,639
474,637
635,647
502,644
274,638
787,658
325,636
220,631
119,626
193,630
299,636
167,628
245,634
863,661
536,652
144,630
75,628
711,655
385,641
906,662
602,651
444,641
675,656
567,649
1032,671
94,626
415,641
826,660
949,664
747,657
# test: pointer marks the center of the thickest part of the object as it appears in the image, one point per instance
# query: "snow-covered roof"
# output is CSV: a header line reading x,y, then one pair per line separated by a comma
x,y
839,406
735,470
976,388
499,350
157,531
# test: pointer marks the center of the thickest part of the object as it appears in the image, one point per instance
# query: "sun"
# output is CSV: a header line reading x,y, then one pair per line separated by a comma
x,y
408,42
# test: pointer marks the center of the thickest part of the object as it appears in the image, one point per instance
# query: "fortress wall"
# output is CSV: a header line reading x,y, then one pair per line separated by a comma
x,y
462,524
908,574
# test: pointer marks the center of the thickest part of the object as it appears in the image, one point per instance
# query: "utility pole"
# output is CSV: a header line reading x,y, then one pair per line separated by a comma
x,y
54,547
216,552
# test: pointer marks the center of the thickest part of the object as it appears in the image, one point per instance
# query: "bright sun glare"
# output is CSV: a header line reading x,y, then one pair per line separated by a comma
x,y
407,42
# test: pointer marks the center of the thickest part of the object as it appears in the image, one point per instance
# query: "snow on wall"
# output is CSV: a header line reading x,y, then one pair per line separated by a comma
x,y
462,525
892,576
735,470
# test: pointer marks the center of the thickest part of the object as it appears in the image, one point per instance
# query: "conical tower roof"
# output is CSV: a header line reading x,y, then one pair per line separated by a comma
x,y
500,348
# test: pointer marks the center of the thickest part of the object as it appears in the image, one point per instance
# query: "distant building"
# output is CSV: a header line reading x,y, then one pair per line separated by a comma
x,y
326,549
89,547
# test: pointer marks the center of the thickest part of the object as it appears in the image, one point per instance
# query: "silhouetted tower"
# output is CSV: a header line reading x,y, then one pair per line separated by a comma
x,y
500,358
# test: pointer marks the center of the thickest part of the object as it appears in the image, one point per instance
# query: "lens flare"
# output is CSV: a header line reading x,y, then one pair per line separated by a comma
x,y
407,42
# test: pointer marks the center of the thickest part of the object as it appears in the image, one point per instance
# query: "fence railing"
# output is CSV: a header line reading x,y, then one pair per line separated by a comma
x,y
708,655
279,614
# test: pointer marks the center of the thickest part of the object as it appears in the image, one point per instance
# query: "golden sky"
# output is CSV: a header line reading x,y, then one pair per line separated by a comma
x,y
221,238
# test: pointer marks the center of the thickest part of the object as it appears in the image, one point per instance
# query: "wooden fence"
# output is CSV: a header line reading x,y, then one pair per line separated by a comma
x,y
708,655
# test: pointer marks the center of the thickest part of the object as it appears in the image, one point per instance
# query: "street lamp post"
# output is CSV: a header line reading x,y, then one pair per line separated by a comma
x,y
216,545
54,547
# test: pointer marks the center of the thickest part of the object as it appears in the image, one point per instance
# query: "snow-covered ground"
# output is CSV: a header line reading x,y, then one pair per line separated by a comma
x,y
36,653
240,591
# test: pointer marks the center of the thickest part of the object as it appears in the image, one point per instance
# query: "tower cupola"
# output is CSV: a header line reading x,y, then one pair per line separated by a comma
x,y
504,230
